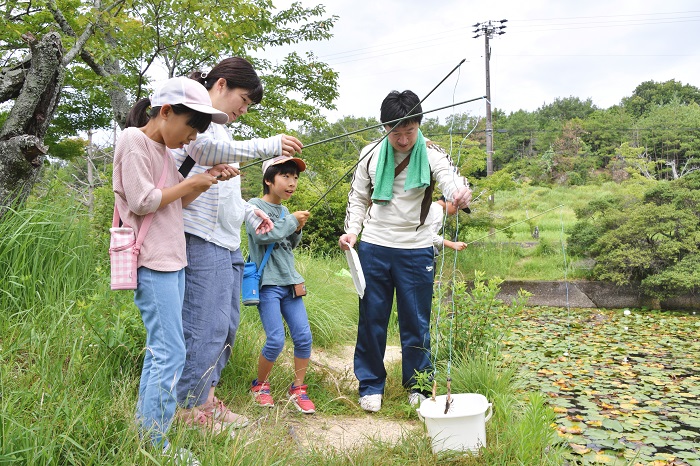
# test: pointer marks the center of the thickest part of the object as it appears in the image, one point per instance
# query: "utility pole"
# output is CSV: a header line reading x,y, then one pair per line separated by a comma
x,y
488,30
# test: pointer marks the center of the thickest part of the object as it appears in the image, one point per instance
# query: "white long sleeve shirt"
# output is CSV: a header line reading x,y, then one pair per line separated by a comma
x,y
435,218
218,214
396,224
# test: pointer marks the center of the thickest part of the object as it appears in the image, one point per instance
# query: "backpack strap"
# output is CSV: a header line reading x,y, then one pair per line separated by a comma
x,y
400,167
268,251
186,166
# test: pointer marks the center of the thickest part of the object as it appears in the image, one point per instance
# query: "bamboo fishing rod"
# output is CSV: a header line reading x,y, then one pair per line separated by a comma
x,y
378,125
397,122
340,179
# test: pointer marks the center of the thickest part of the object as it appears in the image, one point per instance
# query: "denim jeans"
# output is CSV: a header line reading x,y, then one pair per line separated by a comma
x,y
159,298
276,303
409,272
211,314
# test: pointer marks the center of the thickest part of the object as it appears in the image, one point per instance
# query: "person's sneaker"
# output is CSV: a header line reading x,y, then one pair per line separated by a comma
x,y
261,393
301,400
416,398
180,456
371,403
204,420
218,411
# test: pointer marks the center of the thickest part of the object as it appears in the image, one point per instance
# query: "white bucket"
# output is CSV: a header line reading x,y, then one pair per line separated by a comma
x,y
463,427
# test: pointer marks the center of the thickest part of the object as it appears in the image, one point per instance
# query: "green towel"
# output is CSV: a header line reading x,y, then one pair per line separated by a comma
x,y
418,175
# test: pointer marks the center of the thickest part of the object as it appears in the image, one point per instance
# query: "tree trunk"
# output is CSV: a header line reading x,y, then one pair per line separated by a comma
x,y
22,151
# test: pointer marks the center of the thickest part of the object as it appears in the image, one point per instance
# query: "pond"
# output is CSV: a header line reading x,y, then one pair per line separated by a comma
x,y
624,384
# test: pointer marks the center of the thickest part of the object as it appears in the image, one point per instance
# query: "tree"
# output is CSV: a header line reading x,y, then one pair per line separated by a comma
x,y
34,84
651,241
516,136
605,130
650,94
564,109
669,135
113,48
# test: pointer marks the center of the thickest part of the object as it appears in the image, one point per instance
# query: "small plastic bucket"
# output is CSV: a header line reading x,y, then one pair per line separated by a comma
x,y
463,427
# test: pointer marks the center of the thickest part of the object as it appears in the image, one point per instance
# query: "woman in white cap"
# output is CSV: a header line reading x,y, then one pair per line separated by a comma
x,y
146,180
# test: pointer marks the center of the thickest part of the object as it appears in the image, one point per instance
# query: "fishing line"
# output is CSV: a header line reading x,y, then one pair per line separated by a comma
x,y
516,223
453,309
566,284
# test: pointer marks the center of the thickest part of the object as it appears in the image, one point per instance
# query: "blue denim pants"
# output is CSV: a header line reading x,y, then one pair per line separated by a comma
x,y
277,303
159,298
211,314
409,272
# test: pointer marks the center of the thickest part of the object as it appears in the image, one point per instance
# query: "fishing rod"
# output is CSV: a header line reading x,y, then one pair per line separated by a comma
x,y
513,224
386,135
378,125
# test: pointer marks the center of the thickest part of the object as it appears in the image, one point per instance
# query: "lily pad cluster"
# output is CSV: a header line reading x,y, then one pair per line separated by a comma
x,y
625,385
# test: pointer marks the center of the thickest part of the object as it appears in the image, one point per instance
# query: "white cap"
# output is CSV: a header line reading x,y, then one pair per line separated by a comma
x,y
189,93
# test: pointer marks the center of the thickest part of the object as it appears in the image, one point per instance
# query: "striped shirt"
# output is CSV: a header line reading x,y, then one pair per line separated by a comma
x,y
213,147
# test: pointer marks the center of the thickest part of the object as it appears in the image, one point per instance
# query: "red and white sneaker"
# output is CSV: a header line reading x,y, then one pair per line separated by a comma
x,y
261,393
301,400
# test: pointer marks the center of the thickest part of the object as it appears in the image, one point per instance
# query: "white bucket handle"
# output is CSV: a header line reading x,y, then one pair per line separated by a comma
x,y
490,412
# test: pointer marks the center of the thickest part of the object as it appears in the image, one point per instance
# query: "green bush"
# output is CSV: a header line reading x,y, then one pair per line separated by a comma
x,y
650,240
465,318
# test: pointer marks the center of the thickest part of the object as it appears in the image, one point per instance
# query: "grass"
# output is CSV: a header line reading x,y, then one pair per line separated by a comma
x,y
71,352
511,252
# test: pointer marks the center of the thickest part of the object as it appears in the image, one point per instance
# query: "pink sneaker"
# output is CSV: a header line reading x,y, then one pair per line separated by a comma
x,y
261,393
301,399
220,412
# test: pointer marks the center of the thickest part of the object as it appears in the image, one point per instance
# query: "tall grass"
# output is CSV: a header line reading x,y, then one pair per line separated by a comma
x,y
512,252
62,269
71,353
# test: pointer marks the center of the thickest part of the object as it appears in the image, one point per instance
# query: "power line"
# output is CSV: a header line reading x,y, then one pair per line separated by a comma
x,y
368,53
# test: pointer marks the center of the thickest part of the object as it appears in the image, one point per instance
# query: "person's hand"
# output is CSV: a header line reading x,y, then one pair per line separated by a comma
x,y
347,241
302,216
462,197
201,182
266,226
459,245
224,171
291,145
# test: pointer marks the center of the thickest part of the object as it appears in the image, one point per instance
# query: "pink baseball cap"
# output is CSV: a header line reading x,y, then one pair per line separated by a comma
x,y
189,93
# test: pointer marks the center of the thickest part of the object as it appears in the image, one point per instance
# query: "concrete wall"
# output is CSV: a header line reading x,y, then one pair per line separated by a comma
x,y
593,294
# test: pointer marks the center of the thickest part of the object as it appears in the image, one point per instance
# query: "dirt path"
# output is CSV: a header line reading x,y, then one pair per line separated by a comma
x,y
348,432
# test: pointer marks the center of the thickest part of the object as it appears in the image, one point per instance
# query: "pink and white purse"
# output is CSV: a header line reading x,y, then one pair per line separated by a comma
x,y
124,247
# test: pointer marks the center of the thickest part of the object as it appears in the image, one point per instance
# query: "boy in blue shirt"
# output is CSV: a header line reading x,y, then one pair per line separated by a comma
x,y
281,286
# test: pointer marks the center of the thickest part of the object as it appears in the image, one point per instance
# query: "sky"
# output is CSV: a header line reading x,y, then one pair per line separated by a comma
x,y
551,49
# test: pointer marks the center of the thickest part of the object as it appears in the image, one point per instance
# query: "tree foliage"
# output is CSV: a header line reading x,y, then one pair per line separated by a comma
x,y
651,94
108,54
649,240
118,47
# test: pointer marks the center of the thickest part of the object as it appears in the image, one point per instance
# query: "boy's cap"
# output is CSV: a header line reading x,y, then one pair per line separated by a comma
x,y
189,93
282,159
